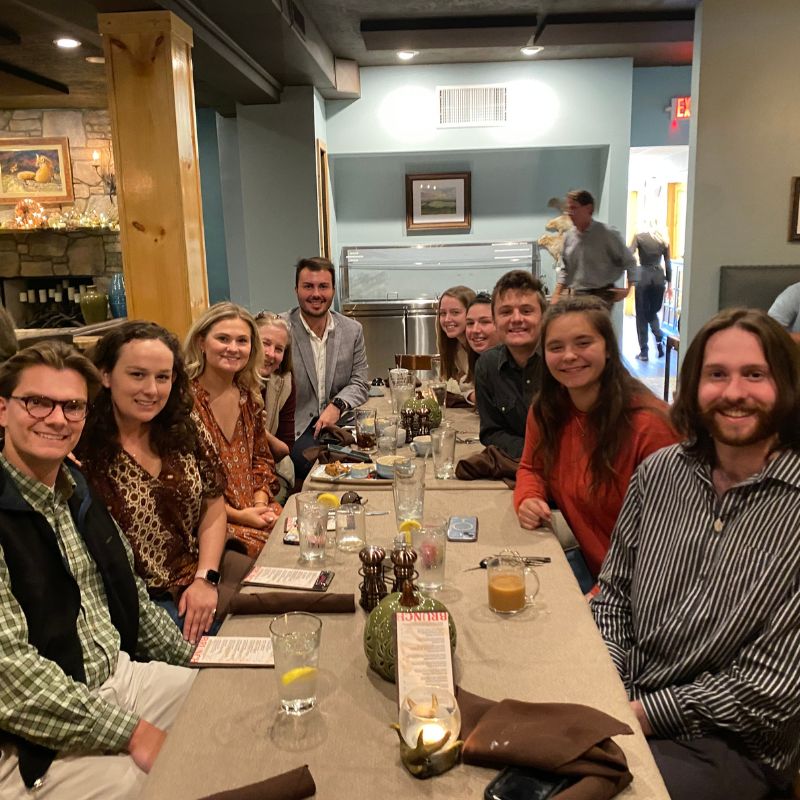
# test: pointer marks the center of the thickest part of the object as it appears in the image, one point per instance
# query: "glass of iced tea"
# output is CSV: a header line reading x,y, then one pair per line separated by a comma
x,y
512,585
366,430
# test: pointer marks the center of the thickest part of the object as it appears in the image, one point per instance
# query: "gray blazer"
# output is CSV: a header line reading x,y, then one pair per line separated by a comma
x,y
346,367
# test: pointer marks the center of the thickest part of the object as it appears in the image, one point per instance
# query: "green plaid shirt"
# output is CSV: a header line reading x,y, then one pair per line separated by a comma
x,y
37,700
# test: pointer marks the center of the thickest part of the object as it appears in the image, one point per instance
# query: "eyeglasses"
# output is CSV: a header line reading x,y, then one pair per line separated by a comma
x,y
40,407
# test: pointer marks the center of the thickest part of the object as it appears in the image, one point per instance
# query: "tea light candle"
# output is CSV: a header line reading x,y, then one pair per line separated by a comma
x,y
431,712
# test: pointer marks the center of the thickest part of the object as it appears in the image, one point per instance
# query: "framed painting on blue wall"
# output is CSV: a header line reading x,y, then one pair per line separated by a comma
x,y
438,201
38,168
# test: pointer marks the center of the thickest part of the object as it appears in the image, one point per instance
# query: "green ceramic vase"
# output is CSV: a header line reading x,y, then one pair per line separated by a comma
x,y
94,306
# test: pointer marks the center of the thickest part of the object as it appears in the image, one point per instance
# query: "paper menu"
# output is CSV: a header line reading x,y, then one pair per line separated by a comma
x,y
233,651
289,578
424,657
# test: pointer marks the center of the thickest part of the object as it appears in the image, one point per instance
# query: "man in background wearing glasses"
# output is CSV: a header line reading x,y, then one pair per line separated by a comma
x,y
80,717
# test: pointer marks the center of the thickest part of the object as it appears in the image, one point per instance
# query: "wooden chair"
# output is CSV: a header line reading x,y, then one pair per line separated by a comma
x,y
411,361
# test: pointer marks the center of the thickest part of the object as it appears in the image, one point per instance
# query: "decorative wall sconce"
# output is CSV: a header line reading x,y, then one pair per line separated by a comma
x,y
103,164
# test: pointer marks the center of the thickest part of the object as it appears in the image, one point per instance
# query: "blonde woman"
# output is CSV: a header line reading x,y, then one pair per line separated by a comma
x,y
280,397
224,357
452,338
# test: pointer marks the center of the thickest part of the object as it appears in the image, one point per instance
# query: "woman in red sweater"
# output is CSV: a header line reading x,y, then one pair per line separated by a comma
x,y
590,426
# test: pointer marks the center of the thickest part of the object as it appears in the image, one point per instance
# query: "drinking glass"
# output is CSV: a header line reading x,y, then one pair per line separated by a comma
x,y
312,523
295,645
409,492
439,392
366,436
512,585
443,446
387,435
398,379
350,527
436,367
430,542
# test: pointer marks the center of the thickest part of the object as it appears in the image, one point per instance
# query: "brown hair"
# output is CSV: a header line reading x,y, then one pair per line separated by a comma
x,y
54,354
315,264
582,197
448,348
519,280
781,353
480,299
609,416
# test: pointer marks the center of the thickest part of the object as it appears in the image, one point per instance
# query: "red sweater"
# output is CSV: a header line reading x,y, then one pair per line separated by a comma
x,y
592,518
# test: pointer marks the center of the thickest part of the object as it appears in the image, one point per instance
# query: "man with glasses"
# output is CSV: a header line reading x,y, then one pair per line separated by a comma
x,y
80,717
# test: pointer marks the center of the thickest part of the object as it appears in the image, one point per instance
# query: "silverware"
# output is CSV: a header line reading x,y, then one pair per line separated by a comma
x,y
376,513
529,561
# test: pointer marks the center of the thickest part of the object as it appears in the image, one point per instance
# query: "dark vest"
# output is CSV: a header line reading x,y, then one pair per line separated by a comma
x,y
49,595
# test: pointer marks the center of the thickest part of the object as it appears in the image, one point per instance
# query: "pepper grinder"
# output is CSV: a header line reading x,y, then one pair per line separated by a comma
x,y
373,588
403,557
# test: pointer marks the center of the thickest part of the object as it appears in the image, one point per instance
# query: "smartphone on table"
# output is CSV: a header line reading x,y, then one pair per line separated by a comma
x,y
524,783
462,529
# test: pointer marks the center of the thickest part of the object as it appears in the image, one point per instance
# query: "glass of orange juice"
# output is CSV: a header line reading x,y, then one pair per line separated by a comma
x,y
512,585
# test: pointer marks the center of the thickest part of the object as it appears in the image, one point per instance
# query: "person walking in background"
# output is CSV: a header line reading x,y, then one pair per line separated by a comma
x,y
653,282
223,360
594,257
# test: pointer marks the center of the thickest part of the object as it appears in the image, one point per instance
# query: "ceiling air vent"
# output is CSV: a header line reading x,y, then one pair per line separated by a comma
x,y
472,106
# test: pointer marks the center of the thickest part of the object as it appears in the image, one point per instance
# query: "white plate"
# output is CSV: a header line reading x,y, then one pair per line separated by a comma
x,y
319,474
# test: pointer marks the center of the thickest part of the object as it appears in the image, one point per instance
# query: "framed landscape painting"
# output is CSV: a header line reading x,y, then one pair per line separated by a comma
x,y
439,201
35,168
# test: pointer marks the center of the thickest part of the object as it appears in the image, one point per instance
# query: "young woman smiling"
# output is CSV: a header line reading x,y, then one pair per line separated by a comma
x,y
144,455
280,397
590,426
451,337
480,332
223,359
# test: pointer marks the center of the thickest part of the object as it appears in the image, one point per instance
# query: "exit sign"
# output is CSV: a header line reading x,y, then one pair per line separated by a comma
x,y
681,107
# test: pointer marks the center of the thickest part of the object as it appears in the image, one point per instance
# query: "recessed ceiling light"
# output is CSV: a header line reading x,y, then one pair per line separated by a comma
x,y
531,50
407,55
66,42
96,59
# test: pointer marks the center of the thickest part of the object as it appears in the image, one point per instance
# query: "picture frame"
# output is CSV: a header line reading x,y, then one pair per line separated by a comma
x,y
438,201
794,218
36,168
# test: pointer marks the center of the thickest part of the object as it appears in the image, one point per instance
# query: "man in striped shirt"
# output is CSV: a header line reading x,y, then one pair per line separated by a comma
x,y
81,715
700,591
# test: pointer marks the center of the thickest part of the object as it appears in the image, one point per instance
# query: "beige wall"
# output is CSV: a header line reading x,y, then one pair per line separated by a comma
x,y
745,143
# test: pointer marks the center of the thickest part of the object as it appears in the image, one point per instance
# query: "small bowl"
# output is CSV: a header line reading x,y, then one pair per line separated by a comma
x,y
385,465
421,445
361,471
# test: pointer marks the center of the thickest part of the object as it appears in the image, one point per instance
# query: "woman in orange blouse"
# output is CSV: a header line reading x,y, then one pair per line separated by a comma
x,y
223,358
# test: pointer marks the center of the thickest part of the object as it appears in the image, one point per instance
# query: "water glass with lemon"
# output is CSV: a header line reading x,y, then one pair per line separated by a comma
x,y
409,495
295,644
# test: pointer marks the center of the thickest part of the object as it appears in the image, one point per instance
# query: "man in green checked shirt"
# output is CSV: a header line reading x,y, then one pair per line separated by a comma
x,y
88,664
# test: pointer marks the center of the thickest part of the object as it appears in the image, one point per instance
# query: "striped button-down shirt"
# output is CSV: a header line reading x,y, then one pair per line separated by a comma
x,y
700,603
37,700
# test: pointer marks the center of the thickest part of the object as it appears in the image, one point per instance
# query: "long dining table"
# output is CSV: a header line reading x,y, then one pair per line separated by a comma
x,y
230,733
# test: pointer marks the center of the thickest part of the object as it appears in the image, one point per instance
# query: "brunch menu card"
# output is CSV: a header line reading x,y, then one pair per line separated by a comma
x,y
314,580
233,651
423,651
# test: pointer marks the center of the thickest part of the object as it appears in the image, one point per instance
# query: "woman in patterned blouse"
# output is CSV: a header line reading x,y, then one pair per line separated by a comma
x,y
223,357
156,472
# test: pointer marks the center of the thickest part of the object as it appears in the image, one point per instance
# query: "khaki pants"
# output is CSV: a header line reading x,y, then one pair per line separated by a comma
x,y
154,691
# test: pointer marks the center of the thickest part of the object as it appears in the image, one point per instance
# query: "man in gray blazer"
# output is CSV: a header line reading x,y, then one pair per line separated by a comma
x,y
330,359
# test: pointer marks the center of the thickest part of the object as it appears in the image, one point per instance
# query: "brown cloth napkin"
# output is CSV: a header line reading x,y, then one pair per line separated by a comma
x,y
562,738
293,785
281,602
233,569
453,400
492,464
321,453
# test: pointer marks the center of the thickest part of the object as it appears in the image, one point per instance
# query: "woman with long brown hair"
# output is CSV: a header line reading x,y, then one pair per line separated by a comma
x,y
451,337
590,426
224,357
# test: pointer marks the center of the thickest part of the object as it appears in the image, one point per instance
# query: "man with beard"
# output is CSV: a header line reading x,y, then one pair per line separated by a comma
x,y
699,600
506,376
330,363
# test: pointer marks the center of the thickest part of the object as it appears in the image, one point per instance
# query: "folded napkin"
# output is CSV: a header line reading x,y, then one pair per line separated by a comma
x,y
336,435
234,567
453,400
490,464
281,602
293,785
562,738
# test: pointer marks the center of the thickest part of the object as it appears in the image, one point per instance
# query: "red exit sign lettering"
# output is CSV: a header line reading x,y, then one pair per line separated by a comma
x,y
682,107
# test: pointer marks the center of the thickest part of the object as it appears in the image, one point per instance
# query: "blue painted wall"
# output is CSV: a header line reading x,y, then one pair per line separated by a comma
x,y
213,220
653,89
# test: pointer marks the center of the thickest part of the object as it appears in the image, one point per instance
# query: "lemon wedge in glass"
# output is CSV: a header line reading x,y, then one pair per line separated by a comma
x,y
328,500
407,528
297,674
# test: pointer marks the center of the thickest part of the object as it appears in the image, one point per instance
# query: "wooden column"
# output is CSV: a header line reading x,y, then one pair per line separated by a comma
x,y
151,100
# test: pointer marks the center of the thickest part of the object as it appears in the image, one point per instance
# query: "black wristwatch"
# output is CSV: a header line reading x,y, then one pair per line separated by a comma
x,y
340,404
210,575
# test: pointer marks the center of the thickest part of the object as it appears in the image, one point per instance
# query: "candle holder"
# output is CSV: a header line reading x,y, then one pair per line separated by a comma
x,y
430,721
